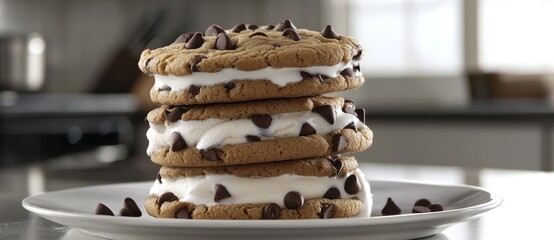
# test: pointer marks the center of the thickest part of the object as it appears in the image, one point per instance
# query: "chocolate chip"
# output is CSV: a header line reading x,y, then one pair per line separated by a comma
x,y
358,56
164,88
305,74
327,211
349,106
183,213
338,164
220,193
292,34
213,30
101,209
269,27
177,142
238,28
252,138
360,113
261,120
294,200
229,86
195,41
347,72
328,32
284,25
327,112
352,185
147,62
224,42
258,34
420,209
306,130
174,114
390,208
435,208
322,77
194,90
422,202
332,193
130,208
210,154
197,60
159,177
339,143
251,26
184,37
146,121
271,211
351,126
356,68
167,197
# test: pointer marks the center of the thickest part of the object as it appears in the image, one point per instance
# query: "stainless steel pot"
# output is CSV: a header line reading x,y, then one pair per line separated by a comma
x,y
22,62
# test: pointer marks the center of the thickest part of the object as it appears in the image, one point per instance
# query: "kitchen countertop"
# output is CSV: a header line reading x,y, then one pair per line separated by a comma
x,y
523,214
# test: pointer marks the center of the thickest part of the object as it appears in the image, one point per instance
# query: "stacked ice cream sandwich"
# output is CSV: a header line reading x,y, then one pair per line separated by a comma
x,y
244,131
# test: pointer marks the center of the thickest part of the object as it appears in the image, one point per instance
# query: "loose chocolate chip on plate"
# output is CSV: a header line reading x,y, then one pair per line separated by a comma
x,y
261,120
220,193
167,197
197,60
294,200
194,90
159,177
258,34
210,154
422,202
224,42
306,130
352,185
183,213
327,211
251,26
292,34
101,209
338,164
332,193
420,209
271,211
229,86
195,41
339,143
351,126
435,208
177,142
284,25
360,113
328,32
238,28
184,38
327,112
347,72
252,138
213,30
390,208
269,27
130,208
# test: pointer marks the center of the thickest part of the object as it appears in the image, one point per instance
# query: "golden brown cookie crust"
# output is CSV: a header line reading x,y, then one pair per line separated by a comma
x,y
248,90
342,208
318,167
252,53
245,109
269,150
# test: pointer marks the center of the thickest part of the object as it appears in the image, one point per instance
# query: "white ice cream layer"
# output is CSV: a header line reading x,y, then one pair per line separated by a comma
x,y
204,134
278,76
258,190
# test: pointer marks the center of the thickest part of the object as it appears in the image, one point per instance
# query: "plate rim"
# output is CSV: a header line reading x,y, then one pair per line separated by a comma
x,y
477,210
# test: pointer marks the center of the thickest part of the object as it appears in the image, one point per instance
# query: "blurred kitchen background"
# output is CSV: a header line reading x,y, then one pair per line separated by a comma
x,y
448,82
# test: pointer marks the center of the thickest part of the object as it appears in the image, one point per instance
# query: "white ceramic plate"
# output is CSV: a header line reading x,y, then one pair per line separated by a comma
x,y
75,208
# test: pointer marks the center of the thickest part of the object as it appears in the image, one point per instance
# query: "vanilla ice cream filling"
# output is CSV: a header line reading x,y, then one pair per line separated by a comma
x,y
204,134
278,76
260,190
